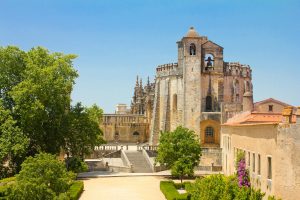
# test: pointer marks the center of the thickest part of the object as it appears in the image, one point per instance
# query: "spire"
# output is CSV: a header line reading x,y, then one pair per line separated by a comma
x,y
137,81
148,81
141,83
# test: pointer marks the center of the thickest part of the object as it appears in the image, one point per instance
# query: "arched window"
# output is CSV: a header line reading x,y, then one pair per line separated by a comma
x,y
174,101
209,62
208,103
192,49
135,133
209,134
237,90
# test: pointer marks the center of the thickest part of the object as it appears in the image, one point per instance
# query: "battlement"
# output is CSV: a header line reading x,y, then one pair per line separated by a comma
x,y
166,67
170,69
237,69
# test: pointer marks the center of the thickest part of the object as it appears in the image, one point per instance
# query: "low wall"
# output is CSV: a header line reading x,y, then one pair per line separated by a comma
x,y
120,169
96,165
125,160
211,156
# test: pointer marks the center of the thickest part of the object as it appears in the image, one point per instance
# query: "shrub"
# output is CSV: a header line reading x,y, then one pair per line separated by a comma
x,y
208,188
7,180
76,165
75,190
41,177
4,184
273,198
220,187
168,188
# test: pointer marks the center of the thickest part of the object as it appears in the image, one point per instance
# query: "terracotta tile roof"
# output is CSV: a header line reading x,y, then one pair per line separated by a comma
x,y
257,118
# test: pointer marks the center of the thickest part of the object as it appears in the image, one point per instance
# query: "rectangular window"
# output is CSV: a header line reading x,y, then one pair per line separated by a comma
x,y
249,159
269,167
270,108
258,164
253,162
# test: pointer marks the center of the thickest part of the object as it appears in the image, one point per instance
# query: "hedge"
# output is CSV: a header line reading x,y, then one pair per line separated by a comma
x,y
75,190
7,180
168,188
4,184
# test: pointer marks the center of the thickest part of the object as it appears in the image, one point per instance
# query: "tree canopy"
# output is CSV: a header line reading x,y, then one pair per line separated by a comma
x,y
13,143
179,150
83,131
35,107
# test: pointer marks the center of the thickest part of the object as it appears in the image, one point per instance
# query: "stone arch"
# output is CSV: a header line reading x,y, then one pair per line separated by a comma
x,y
209,63
192,49
210,132
135,133
208,103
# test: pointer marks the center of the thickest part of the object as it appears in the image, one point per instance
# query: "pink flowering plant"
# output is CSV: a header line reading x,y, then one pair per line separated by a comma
x,y
243,174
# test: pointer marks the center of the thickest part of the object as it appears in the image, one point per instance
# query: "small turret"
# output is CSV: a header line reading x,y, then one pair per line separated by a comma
x,y
248,101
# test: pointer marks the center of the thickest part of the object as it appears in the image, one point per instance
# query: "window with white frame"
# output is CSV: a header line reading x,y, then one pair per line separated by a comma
x,y
253,162
258,164
269,167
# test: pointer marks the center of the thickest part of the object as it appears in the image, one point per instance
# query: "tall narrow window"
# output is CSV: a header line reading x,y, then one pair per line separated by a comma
x,y
192,49
253,162
248,159
208,103
269,167
174,102
270,108
258,164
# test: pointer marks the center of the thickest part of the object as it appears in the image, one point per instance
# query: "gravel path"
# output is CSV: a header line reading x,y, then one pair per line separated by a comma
x,y
123,188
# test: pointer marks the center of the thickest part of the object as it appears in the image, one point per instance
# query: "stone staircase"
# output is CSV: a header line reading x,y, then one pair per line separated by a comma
x,y
139,163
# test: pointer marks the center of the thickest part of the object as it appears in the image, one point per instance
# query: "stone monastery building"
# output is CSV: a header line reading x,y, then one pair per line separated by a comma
x,y
200,91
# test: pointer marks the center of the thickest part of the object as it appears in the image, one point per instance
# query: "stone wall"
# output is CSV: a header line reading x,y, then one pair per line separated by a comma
x,y
125,128
279,142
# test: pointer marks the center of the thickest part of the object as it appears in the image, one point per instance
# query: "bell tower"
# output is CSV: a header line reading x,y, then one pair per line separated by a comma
x,y
190,60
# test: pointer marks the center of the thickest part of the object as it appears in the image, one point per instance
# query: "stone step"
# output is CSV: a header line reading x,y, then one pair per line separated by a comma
x,y
138,162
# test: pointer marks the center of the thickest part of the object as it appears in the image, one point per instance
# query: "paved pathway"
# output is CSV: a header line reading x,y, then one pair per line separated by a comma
x,y
166,173
123,188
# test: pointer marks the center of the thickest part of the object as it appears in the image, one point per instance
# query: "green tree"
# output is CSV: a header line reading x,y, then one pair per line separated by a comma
x,y
13,144
42,98
41,177
12,66
84,132
179,150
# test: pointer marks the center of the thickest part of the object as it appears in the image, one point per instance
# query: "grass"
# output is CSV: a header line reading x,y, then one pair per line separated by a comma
x,y
169,189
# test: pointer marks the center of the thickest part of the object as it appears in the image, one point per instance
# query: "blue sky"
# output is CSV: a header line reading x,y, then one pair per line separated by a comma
x,y
117,40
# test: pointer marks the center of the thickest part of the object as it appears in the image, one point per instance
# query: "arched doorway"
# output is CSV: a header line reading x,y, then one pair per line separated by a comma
x,y
210,132
136,136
